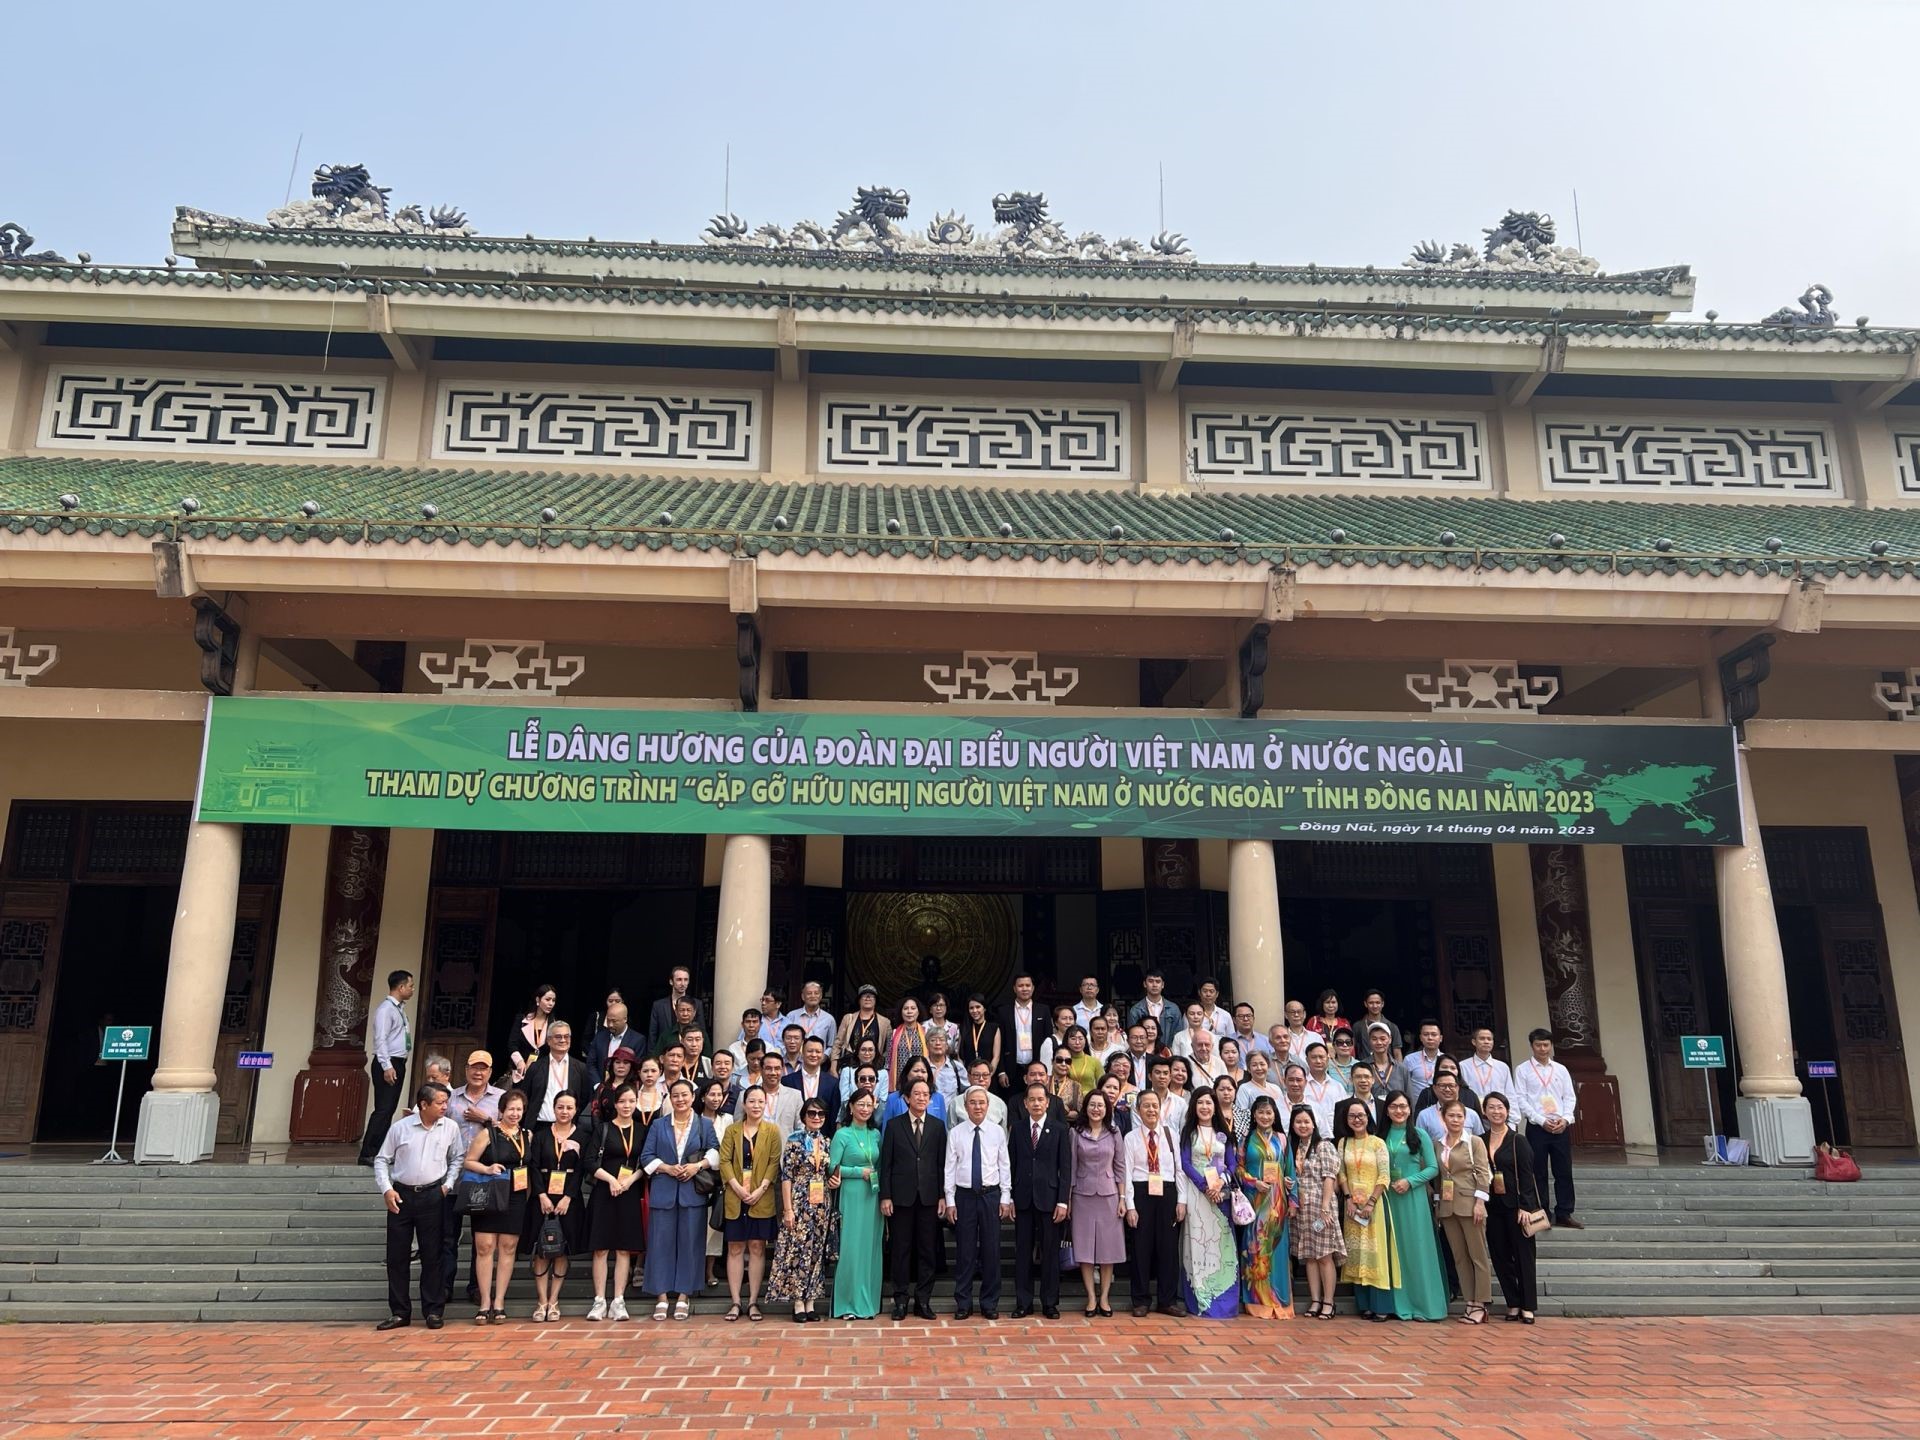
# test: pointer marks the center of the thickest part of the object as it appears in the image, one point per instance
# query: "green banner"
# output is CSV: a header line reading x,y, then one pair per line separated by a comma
x,y
491,767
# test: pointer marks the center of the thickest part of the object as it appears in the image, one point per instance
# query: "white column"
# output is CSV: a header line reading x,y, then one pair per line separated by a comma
x,y
177,1116
1253,930
745,928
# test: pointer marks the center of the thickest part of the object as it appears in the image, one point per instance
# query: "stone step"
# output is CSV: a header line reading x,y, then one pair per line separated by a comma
x,y
1683,1266
1700,1288
1565,1249
1847,1202
1631,1304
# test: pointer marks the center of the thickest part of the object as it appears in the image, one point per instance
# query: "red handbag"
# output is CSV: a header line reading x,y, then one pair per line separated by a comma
x,y
1834,1166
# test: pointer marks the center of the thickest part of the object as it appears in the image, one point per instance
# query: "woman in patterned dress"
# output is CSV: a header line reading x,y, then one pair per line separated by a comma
x,y
807,1183
1313,1170
1373,1264
1209,1269
1268,1282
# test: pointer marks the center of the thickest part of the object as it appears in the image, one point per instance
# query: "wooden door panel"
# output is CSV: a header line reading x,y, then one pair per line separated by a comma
x,y
31,919
1866,1025
1666,944
459,975
243,1010
1466,937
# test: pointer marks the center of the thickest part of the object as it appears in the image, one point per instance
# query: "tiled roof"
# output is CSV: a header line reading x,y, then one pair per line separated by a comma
x,y
375,505
1658,281
1407,324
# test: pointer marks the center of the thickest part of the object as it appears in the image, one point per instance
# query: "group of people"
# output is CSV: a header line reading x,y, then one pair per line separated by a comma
x,y
1213,1161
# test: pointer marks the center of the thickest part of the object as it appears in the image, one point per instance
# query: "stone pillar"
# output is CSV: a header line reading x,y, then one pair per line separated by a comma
x,y
1774,1117
1253,930
330,1094
1573,1001
742,937
178,1115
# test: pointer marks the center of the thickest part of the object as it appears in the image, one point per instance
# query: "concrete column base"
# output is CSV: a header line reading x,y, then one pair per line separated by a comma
x,y
1777,1131
176,1127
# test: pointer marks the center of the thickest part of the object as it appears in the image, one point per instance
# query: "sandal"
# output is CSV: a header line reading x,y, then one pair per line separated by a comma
x,y
660,1310
1476,1315
682,1310
733,1312
483,1317
753,1312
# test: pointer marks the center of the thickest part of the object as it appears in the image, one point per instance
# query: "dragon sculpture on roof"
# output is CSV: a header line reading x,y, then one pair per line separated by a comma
x,y
1815,312
1523,241
345,198
16,247
1024,232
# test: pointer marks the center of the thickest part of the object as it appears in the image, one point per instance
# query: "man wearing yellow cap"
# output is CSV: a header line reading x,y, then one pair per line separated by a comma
x,y
477,1104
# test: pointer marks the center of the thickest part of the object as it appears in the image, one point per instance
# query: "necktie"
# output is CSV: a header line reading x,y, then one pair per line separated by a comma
x,y
1036,1134
916,1134
978,1179
1153,1151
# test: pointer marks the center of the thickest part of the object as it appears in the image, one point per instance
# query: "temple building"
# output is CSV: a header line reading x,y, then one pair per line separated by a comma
x,y
937,601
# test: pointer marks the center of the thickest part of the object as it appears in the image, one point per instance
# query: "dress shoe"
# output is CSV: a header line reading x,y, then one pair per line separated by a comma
x,y
434,1322
394,1322
899,1309
1051,1312
1140,1312
365,1162
923,1312
989,1314
963,1312
1570,1223
1178,1312
1021,1312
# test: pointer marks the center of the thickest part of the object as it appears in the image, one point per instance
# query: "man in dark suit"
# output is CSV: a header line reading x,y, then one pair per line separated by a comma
x,y
558,1072
913,1171
1042,1158
814,1081
1036,1074
1023,1025
661,1025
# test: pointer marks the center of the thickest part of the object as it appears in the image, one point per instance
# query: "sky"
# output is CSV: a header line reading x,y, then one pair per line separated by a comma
x,y
1765,143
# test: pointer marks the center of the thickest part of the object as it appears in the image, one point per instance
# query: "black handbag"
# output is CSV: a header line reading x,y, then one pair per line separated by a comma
x,y
482,1195
706,1183
551,1243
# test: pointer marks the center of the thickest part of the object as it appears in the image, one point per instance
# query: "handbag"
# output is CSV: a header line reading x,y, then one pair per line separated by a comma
x,y
1534,1222
551,1242
1241,1208
481,1195
706,1183
1834,1165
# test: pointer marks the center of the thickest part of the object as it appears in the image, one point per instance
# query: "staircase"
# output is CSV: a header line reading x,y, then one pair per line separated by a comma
x,y
1714,1240
303,1243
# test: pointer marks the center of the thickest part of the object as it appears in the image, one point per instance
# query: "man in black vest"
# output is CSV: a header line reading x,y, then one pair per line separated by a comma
x,y
1042,1154
913,1168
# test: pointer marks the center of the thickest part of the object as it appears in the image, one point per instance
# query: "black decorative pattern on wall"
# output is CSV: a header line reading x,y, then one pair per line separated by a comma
x,y
596,424
1906,460
1241,443
459,949
23,968
1681,454
204,412
924,436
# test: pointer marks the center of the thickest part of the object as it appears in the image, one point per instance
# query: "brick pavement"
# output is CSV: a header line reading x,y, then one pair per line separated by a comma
x,y
1691,1379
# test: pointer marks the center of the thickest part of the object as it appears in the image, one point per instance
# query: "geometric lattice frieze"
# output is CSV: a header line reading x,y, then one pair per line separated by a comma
x,y
21,663
1231,442
915,435
1483,685
520,667
594,424
1015,676
1906,460
1900,697
1666,453
206,412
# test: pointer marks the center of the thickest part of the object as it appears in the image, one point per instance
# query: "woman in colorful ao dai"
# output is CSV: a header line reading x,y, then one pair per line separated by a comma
x,y
1209,1269
1268,1279
1373,1263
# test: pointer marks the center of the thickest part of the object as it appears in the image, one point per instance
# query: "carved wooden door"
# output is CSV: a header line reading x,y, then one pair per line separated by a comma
x,y
1866,1026
459,975
1668,945
243,1011
1466,938
31,917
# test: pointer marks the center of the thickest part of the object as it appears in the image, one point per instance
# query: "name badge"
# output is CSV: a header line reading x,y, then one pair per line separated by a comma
x,y
816,1192
556,1182
1156,1186
519,1179
1499,1182
1446,1188
626,1174
1549,1104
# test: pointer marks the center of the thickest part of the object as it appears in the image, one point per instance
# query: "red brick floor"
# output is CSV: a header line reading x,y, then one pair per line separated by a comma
x,y
1015,1380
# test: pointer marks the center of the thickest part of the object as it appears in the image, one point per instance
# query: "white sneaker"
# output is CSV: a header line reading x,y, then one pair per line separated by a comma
x,y
598,1311
617,1310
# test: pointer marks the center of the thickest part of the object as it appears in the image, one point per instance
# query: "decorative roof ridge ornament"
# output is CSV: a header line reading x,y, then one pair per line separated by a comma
x,y
1522,241
345,198
16,243
1025,232
1815,312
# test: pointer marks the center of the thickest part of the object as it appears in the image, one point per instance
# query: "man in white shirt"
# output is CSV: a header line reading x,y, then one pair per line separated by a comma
x,y
1420,1065
1322,1088
555,1073
1219,1019
1154,1003
1446,1087
1154,1211
1293,1079
812,1020
392,1044
1021,1034
750,1023
1173,1108
1203,1066
1290,1040
1182,1044
414,1170
1089,1004
1483,1073
1543,1092
980,1077
979,1196
1247,1031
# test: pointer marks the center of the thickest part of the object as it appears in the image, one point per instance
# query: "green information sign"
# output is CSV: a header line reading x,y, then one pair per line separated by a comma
x,y
488,767
125,1042
1703,1052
